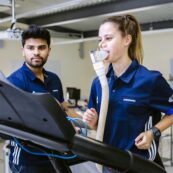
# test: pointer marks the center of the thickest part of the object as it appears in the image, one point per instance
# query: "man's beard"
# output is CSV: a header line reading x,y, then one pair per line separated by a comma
x,y
37,65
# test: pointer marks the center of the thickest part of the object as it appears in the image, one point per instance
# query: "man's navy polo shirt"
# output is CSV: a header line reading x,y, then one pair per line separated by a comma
x,y
25,79
133,97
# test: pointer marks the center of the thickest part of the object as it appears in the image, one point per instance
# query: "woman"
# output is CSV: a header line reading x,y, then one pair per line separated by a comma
x,y
137,95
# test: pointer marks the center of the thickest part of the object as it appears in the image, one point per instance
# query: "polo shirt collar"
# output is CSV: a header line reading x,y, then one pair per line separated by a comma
x,y
30,74
128,74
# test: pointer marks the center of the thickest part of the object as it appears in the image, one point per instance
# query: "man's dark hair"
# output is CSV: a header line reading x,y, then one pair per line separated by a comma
x,y
35,31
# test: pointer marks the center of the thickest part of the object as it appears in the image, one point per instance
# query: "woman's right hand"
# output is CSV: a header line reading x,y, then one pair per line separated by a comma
x,y
91,118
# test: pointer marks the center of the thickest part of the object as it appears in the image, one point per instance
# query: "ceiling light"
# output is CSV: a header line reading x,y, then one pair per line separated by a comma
x,y
157,31
4,8
81,40
11,34
5,2
72,41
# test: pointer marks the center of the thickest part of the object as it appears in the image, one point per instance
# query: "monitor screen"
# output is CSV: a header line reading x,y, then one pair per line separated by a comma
x,y
73,93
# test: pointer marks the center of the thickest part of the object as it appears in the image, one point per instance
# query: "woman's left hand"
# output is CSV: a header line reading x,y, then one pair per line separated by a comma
x,y
144,140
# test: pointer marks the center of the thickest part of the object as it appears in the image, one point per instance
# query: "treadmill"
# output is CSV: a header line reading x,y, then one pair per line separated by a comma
x,y
37,120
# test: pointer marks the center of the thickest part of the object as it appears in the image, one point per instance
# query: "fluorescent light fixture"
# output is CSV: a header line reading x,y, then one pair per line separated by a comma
x,y
11,34
4,8
55,34
81,40
5,2
157,31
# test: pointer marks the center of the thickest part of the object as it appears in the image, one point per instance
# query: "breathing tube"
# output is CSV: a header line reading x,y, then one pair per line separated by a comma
x,y
97,58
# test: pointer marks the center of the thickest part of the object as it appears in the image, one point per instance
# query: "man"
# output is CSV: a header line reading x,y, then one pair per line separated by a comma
x,y
32,77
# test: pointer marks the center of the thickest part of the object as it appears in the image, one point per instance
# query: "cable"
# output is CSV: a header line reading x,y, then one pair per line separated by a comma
x,y
41,153
75,120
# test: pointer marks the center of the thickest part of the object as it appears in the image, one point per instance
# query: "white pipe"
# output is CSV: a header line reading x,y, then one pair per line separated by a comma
x,y
13,21
97,58
100,71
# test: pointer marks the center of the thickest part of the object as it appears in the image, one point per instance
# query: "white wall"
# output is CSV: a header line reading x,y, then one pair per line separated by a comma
x,y
74,70
10,56
77,72
158,50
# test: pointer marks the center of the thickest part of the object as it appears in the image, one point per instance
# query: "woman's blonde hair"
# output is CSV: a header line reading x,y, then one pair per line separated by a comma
x,y
128,25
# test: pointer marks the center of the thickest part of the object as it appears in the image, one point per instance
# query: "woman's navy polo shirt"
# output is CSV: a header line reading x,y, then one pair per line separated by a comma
x,y
25,79
134,98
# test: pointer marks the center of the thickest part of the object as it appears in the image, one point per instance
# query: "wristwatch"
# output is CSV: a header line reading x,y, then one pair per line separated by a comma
x,y
156,133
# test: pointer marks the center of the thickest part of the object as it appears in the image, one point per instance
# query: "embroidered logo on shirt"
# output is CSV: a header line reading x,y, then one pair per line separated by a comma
x,y
97,100
128,100
170,99
54,90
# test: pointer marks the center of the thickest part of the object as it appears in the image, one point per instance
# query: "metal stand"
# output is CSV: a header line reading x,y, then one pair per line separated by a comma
x,y
6,157
59,165
171,143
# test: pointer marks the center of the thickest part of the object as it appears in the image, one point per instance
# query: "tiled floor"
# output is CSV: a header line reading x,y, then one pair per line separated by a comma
x,y
2,162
